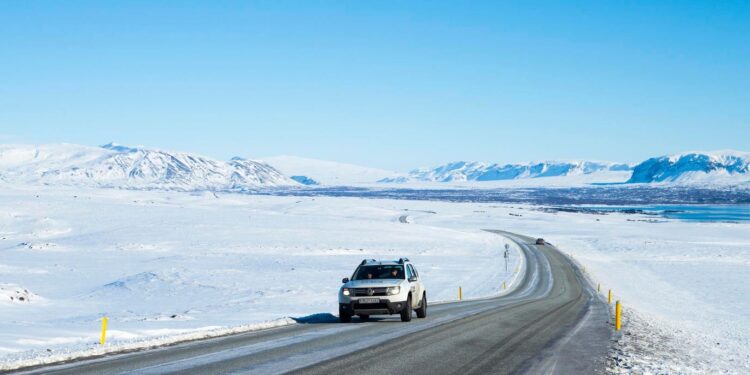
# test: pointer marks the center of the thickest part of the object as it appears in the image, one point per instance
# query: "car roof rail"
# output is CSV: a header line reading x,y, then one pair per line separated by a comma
x,y
365,261
402,260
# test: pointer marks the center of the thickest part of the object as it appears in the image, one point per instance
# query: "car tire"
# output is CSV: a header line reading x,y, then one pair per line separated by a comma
x,y
406,312
344,317
422,310
364,317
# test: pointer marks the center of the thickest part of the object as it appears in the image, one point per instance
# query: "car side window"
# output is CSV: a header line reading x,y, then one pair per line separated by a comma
x,y
408,272
412,273
414,269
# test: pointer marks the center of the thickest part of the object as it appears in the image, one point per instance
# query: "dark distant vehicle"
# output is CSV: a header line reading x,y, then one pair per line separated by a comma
x,y
540,241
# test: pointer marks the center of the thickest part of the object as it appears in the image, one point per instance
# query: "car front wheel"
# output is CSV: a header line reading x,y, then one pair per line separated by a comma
x,y
406,312
344,316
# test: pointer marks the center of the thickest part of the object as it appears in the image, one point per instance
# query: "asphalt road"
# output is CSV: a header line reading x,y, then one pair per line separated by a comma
x,y
552,322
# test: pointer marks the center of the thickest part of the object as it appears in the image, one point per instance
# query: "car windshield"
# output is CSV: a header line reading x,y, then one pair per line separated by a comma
x,y
379,272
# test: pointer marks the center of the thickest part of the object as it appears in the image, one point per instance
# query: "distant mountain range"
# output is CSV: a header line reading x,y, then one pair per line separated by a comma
x,y
118,166
477,171
694,168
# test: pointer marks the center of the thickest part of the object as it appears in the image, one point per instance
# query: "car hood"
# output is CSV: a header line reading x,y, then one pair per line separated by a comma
x,y
372,283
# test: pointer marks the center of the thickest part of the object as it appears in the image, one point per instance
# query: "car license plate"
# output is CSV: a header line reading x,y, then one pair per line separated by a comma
x,y
369,300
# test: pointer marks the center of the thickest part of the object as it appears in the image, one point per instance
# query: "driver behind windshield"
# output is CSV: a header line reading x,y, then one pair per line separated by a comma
x,y
379,272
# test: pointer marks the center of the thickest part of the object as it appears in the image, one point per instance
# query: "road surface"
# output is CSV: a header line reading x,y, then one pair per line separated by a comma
x,y
552,322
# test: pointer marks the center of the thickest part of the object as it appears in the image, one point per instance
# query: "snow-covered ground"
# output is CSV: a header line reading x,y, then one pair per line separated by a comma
x,y
683,285
165,264
162,264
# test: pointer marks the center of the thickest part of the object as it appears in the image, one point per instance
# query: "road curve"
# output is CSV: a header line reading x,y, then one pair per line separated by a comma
x,y
552,322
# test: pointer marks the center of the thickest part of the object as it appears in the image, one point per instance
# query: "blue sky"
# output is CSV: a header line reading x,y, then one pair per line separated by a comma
x,y
392,84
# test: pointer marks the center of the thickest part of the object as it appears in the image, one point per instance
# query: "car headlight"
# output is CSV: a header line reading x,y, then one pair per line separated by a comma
x,y
394,290
345,291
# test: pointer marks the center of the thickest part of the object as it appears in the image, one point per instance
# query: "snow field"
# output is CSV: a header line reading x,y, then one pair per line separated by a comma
x,y
164,266
161,265
683,285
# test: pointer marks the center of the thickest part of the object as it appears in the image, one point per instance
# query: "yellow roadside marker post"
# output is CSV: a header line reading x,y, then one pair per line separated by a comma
x,y
609,297
504,287
618,316
104,331
460,295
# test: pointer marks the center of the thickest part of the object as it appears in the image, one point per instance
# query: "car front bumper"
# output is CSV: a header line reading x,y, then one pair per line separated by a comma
x,y
385,306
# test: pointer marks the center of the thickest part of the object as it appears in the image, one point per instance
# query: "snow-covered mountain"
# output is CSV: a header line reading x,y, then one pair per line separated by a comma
x,y
719,167
477,171
119,166
328,172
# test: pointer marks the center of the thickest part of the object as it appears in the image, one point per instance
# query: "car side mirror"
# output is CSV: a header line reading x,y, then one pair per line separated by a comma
x,y
413,279
345,280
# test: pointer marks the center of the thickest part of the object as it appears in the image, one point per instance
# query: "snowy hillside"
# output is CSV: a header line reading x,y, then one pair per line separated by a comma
x,y
477,171
722,167
133,168
328,172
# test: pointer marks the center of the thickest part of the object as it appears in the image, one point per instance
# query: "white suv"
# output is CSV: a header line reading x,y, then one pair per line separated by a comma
x,y
383,287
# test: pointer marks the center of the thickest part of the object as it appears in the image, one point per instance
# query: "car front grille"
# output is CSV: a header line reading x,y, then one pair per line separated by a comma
x,y
371,306
365,292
